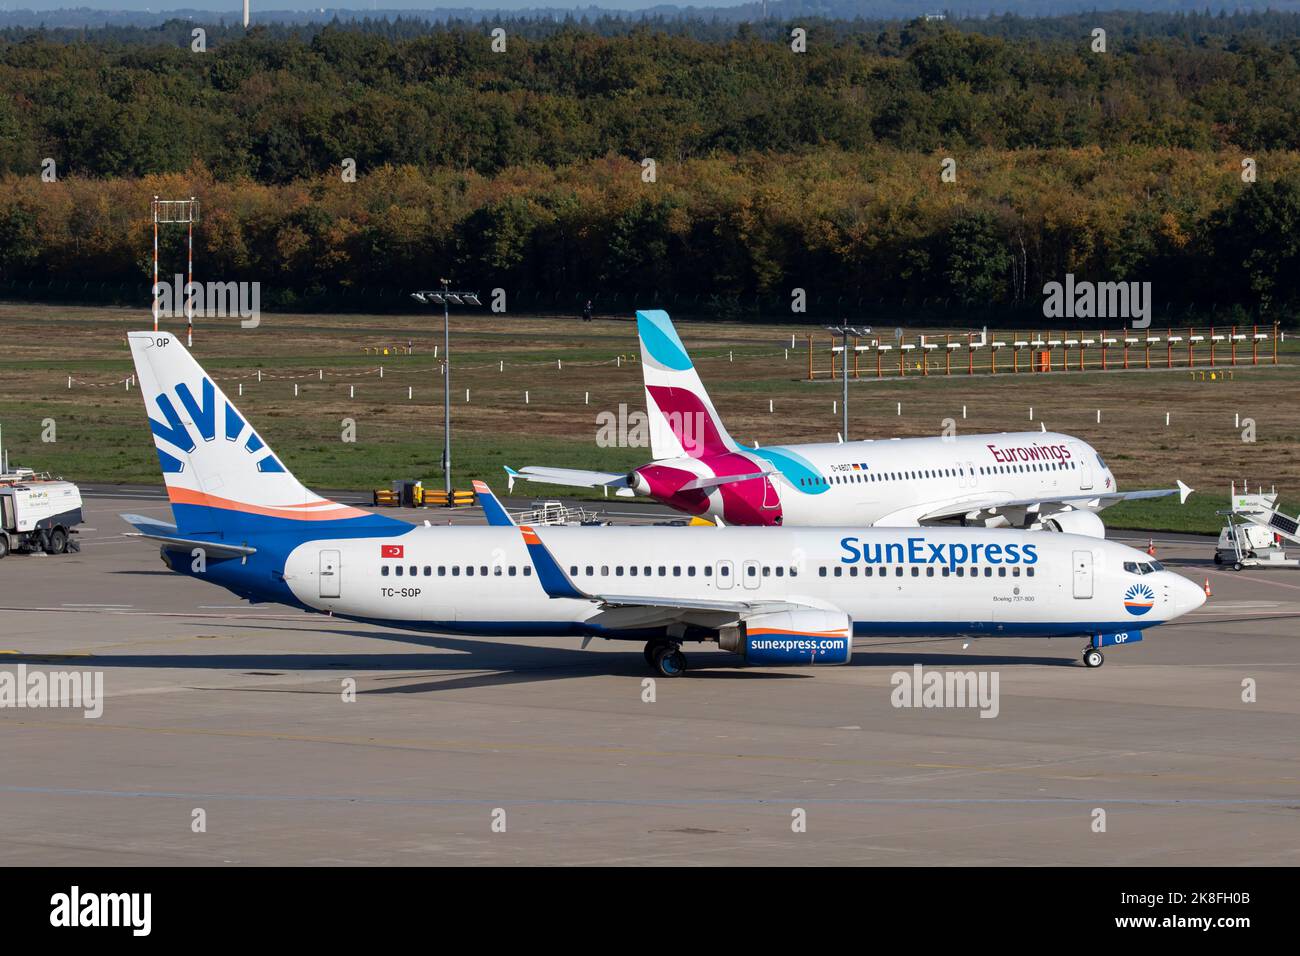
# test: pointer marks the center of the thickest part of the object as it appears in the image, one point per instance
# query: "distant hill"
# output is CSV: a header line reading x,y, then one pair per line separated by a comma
x,y
98,13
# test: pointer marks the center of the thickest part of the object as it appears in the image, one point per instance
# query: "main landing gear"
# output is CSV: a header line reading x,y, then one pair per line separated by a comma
x,y
666,658
1092,657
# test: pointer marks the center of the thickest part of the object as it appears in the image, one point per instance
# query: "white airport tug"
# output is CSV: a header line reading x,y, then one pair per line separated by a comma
x,y
37,513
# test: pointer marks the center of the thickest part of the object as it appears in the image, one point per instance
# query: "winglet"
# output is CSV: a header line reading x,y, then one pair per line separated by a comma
x,y
511,475
496,515
1183,492
550,575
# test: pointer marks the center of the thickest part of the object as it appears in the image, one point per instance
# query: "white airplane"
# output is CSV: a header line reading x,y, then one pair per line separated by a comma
x,y
778,596
1034,480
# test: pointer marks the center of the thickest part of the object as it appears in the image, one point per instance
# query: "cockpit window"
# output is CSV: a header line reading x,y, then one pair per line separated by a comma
x,y
1144,567
1102,463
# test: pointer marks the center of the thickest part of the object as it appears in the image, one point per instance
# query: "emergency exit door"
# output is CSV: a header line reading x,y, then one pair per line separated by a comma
x,y
329,574
1083,574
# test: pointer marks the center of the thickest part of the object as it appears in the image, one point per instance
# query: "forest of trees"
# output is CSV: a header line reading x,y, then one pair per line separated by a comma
x,y
773,169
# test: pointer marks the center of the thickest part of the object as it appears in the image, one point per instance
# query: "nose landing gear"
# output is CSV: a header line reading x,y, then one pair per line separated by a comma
x,y
1092,657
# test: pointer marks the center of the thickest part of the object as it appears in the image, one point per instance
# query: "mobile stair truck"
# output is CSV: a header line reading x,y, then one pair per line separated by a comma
x,y
37,513
1255,531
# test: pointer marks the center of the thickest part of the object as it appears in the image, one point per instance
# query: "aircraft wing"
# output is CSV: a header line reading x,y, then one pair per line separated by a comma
x,y
642,609
569,477
1045,503
493,510
154,530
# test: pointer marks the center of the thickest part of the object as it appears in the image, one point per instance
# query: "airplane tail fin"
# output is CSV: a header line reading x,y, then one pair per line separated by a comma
x,y
683,421
221,477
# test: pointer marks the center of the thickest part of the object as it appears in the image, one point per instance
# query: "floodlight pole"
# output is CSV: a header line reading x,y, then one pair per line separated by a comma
x,y
845,331
446,392
446,297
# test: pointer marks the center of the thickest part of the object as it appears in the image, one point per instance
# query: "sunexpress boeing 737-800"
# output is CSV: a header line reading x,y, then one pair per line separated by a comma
x,y
777,596
1033,480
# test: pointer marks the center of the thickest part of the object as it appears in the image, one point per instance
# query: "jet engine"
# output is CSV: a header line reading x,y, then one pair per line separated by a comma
x,y
1075,522
782,638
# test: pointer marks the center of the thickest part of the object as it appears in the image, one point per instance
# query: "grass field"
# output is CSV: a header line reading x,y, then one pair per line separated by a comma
x,y
100,434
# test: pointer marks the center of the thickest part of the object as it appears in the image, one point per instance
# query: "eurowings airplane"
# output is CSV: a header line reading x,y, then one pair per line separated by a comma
x,y
1035,480
774,596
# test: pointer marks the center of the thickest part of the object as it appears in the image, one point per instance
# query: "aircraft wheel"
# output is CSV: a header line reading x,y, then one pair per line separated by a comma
x,y
670,662
1093,657
649,652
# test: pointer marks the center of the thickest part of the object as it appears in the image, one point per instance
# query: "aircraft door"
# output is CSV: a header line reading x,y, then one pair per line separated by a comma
x,y
330,563
1085,466
750,574
724,576
1083,574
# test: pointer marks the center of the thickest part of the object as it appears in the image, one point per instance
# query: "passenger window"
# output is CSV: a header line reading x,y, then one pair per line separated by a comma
x,y
961,572
690,570
1002,572
1029,572
483,570
839,571
898,571
469,570
428,570
751,571
853,571
821,572
399,570
916,572
496,570
618,570
929,572
573,570
1015,572
455,570
590,571
780,571
511,571
442,570
384,570
868,571
677,570
604,570
528,571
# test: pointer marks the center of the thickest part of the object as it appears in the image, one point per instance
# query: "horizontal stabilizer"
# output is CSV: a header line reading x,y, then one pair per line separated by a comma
x,y
713,481
569,477
164,533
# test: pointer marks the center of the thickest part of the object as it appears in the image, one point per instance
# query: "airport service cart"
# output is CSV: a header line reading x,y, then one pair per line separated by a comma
x,y
38,513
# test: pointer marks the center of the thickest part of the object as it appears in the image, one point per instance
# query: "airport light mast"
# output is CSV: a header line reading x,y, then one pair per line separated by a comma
x,y
446,298
846,331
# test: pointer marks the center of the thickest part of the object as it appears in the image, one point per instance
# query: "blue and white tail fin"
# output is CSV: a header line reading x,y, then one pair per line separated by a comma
x,y
221,476
683,421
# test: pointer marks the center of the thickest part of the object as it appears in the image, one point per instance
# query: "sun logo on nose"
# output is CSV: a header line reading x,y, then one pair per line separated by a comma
x,y
1139,599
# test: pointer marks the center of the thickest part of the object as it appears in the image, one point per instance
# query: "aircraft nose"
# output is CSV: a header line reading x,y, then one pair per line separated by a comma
x,y
1188,595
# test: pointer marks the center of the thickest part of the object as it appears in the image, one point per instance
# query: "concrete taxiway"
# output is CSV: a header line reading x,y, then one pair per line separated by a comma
x,y
239,712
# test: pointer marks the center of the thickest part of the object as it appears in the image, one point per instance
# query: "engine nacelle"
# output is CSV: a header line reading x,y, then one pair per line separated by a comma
x,y
1075,522
783,638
